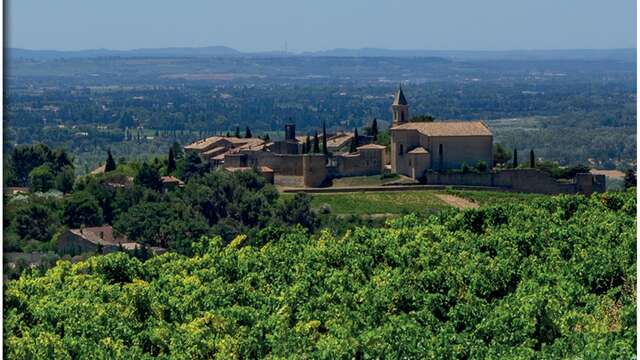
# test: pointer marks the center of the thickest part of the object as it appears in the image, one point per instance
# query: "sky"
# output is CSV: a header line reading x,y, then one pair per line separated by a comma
x,y
309,25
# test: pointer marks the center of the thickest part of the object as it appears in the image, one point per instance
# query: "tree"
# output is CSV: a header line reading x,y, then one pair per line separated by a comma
x,y
81,209
171,162
237,134
500,155
297,210
266,137
177,150
35,222
65,179
148,177
630,178
41,179
324,138
110,165
247,133
374,129
354,142
307,145
515,158
192,165
532,159
316,144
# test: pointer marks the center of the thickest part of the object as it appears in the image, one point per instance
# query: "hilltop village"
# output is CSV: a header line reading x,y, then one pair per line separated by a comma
x,y
428,152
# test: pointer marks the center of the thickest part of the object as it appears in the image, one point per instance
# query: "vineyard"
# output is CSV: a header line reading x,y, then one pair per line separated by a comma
x,y
553,277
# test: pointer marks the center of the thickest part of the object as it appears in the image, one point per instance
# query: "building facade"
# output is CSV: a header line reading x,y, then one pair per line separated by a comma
x,y
417,147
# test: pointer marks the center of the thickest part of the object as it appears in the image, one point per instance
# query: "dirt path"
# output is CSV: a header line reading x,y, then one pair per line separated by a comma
x,y
457,202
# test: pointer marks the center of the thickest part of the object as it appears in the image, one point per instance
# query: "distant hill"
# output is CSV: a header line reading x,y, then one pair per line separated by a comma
x,y
562,54
17,53
567,54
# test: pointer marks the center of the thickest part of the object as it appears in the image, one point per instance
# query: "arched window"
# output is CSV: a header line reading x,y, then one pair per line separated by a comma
x,y
401,150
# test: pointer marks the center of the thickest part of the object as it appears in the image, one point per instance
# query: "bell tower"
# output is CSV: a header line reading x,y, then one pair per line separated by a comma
x,y
400,108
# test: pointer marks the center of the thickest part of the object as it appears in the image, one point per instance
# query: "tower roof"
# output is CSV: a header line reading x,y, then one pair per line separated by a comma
x,y
400,99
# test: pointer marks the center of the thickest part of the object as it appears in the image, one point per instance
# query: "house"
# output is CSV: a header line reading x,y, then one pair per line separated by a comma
x,y
171,182
101,239
417,147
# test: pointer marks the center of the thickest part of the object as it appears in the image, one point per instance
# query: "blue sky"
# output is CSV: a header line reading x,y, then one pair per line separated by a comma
x,y
315,25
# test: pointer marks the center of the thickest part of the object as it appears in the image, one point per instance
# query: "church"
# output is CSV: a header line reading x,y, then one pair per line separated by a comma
x,y
417,147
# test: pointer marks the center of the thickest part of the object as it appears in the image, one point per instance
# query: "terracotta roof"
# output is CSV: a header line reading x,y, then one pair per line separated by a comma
x,y
99,170
204,143
418,150
100,235
171,180
372,146
339,140
214,151
400,99
447,128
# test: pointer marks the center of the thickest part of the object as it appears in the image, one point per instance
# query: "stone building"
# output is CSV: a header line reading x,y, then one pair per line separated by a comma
x,y
90,239
439,145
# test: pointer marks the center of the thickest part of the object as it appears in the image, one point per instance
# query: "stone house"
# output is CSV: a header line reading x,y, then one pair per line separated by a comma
x,y
90,239
439,145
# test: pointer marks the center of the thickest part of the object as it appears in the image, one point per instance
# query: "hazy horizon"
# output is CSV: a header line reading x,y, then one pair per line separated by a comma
x,y
496,25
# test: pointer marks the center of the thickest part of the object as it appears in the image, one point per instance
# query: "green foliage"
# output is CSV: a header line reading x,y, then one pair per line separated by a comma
x,y
481,167
559,172
35,222
171,162
81,209
65,179
552,278
500,155
247,133
149,177
26,158
630,178
41,178
316,144
355,142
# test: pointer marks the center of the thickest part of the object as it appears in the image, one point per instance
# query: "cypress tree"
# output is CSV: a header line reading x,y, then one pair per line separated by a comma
x,y
228,134
354,142
515,158
316,144
307,145
171,163
110,164
374,129
247,133
237,132
532,160
324,138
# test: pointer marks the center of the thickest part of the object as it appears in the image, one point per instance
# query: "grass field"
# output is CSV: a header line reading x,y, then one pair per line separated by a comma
x,y
489,198
389,202
403,202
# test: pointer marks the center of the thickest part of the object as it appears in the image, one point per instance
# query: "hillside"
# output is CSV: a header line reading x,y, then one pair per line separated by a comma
x,y
553,278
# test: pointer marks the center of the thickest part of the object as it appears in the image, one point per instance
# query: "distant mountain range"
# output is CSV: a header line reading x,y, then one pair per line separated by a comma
x,y
568,54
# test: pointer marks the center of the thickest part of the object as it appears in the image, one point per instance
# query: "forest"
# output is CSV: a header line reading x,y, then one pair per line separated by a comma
x,y
550,278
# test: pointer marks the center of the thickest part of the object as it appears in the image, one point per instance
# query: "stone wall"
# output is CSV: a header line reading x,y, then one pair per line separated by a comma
x,y
281,164
525,180
362,163
314,170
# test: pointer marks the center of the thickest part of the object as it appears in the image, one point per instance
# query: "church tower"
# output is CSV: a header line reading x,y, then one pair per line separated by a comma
x,y
400,109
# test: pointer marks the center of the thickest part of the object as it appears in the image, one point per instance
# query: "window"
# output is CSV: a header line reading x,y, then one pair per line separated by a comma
x,y
402,116
401,150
